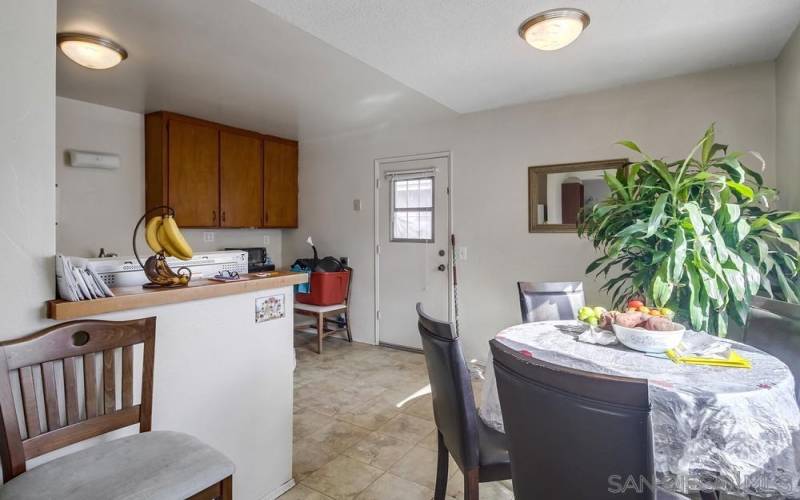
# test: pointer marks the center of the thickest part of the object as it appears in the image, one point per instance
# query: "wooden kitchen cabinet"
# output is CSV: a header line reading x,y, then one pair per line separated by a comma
x,y
193,173
241,193
280,183
219,176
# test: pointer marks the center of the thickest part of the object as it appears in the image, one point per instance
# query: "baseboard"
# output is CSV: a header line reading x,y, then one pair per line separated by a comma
x,y
400,347
280,490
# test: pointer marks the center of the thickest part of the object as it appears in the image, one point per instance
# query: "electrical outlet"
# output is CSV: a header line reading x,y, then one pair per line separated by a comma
x,y
462,253
208,236
266,240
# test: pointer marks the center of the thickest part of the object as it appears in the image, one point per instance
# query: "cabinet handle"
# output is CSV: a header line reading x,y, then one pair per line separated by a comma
x,y
266,217
214,215
223,216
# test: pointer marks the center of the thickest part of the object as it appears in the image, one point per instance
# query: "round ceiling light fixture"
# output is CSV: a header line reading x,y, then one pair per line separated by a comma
x,y
554,29
91,51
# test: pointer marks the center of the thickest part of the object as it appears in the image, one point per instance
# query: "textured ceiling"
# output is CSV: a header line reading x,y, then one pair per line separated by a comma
x,y
466,54
233,62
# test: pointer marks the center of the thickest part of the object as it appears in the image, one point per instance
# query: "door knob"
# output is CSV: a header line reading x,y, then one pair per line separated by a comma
x,y
441,253
442,267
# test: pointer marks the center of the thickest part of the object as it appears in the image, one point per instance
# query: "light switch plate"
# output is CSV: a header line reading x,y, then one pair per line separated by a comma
x,y
266,240
208,236
462,253
357,205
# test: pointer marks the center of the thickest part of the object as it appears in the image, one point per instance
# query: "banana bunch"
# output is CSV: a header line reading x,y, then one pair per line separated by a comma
x,y
159,273
165,239
163,236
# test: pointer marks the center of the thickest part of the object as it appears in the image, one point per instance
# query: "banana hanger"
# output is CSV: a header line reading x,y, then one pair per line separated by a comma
x,y
164,241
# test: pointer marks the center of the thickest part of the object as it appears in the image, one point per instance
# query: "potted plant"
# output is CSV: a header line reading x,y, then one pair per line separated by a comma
x,y
695,235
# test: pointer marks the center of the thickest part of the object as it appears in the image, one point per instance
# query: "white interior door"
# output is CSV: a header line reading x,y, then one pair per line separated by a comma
x,y
414,255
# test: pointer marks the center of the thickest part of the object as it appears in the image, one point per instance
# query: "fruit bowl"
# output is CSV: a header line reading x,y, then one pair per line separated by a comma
x,y
643,340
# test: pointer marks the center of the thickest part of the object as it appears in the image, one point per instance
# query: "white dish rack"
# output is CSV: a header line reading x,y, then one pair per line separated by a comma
x,y
126,271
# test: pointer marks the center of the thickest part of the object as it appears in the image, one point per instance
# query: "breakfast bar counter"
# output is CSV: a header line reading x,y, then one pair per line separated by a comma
x,y
223,369
134,297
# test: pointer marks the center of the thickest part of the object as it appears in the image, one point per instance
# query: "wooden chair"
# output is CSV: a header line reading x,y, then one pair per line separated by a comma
x,y
322,315
75,363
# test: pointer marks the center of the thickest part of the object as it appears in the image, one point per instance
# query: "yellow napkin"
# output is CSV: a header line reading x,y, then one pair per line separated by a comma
x,y
733,360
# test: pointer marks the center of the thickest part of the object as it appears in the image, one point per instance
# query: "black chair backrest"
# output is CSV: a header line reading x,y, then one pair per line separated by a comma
x,y
453,401
550,301
572,434
774,327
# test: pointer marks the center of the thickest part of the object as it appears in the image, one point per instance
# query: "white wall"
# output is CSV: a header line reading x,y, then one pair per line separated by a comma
x,y
27,177
491,153
787,85
99,208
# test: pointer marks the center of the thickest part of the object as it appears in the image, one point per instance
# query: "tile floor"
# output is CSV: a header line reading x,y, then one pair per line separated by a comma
x,y
363,426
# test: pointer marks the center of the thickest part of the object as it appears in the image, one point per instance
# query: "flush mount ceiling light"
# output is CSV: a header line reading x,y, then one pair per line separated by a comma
x,y
554,29
91,51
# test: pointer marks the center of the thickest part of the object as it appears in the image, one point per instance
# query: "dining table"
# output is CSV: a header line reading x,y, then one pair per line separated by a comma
x,y
733,430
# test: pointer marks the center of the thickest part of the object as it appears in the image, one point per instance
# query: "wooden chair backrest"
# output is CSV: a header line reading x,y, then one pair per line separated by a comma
x,y
59,349
349,284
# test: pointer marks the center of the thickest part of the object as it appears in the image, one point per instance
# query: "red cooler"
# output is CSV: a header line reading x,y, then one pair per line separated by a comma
x,y
327,289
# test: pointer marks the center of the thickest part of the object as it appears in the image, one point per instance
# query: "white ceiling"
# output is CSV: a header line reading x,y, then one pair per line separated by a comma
x,y
466,54
235,63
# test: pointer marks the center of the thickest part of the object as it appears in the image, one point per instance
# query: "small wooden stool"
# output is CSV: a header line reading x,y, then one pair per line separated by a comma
x,y
322,315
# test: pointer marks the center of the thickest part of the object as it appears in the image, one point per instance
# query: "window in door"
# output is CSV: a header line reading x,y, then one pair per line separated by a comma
x,y
412,210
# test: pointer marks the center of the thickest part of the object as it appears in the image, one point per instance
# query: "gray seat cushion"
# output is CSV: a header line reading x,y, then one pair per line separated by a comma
x,y
151,465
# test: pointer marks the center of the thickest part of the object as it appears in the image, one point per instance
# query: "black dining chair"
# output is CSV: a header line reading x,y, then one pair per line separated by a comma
x,y
575,435
549,301
774,327
479,451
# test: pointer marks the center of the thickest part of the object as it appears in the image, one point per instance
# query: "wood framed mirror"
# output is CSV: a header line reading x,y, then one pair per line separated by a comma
x,y
557,193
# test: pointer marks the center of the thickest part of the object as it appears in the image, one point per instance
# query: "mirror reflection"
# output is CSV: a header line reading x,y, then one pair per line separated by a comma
x,y
559,192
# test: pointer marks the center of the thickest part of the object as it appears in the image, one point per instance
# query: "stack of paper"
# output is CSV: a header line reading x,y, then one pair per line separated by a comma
x,y
707,351
79,282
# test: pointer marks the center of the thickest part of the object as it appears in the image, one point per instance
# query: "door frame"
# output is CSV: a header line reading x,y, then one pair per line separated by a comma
x,y
379,162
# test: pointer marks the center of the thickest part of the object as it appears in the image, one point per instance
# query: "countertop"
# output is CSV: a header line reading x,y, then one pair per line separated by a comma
x,y
135,297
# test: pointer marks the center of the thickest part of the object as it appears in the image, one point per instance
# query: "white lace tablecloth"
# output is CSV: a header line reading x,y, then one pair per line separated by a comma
x,y
728,429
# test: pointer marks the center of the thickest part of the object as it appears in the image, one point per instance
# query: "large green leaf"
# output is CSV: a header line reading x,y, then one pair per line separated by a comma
x,y
616,186
743,189
630,145
792,217
742,230
661,169
751,274
678,254
733,168
722,323
719,242
638,227
786,288
766,285
732,212
709,282
657,214
661,290
736,281
695,216
695,309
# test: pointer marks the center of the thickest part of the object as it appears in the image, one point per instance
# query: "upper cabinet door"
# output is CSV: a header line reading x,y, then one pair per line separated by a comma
x,y
280,183
194,173
240,179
